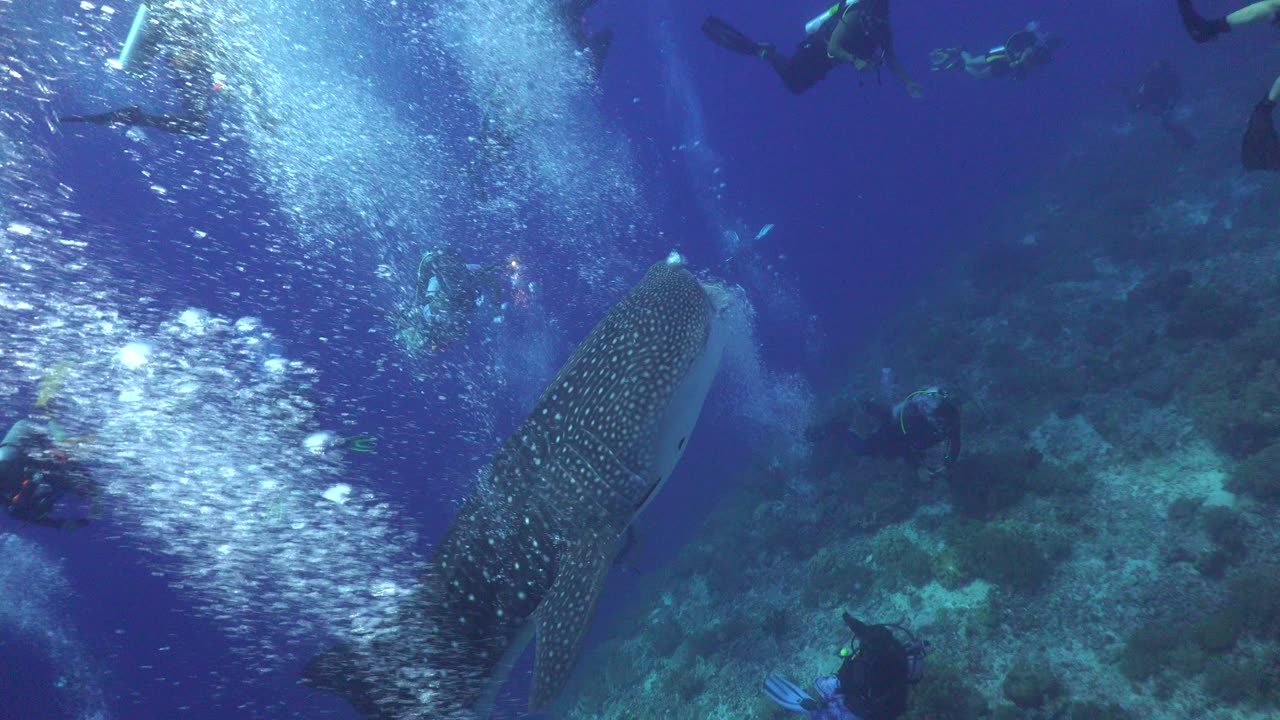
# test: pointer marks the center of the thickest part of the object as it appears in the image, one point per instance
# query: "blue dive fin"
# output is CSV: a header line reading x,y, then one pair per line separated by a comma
x,y
785,693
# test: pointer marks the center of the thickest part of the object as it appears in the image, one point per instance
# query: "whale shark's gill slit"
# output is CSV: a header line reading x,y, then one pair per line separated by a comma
x,y
612,455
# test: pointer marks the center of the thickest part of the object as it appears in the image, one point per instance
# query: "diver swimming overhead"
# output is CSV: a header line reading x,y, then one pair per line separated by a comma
x,y
854,32
181,32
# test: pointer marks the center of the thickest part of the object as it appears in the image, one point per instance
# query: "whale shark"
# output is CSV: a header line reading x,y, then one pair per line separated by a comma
x,y
527,554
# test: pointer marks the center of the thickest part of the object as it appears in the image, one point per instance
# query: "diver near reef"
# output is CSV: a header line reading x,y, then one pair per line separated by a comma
x,y
37,474
856,32
1261,147
915,429
1023,52
448,292
1158,94
872,682
181,32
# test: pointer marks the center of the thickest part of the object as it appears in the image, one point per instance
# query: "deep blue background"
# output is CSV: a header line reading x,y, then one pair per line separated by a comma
x,y
871,191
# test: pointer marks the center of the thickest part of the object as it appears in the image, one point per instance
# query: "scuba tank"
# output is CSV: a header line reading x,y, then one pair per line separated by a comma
x,y
812,26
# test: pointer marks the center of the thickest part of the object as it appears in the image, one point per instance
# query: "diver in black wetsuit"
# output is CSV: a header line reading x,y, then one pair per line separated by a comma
x,y
36,474
448,292
924,420
183,35
856,32
1261,147
1158,93
872,682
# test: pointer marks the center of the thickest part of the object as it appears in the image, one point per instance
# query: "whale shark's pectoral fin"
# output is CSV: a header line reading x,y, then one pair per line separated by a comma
x,y
564,615
335,671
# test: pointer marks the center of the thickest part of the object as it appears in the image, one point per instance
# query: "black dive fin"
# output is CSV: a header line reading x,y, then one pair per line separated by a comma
x,y
727,36
1261,148
123,116
1200,29
334,671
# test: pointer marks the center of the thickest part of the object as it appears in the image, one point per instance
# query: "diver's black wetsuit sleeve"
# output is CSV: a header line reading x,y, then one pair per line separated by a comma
x,y
809,64
954,431
177,124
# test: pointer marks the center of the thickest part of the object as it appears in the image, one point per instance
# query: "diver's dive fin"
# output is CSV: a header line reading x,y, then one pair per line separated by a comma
x,y
785,693
726,36
124,116
1261,148
334,670
1200,29
562,620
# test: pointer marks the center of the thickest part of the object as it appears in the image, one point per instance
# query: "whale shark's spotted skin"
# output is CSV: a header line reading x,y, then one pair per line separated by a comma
x,y
532,544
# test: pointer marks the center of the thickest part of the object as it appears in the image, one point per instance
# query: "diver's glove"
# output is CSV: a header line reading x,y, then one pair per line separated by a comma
x,y
787,694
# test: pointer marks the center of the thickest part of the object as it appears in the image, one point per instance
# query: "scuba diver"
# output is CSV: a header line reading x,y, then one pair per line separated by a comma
x,y
36,475
916,430
594,45
851,31
1024,51
871,684
448,292
181,32
494,143
1158,93
1261,147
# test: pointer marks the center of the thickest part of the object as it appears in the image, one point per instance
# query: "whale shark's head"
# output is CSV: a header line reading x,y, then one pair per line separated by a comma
x,y
626,402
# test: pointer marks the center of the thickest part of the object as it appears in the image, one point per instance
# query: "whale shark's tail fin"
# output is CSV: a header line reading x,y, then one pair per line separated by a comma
x,y
335,670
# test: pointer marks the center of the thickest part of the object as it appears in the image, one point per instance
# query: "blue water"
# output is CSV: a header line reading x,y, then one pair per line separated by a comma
x,y
873,196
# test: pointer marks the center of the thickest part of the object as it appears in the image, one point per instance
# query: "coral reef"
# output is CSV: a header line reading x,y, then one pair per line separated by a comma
x,y
1105,549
